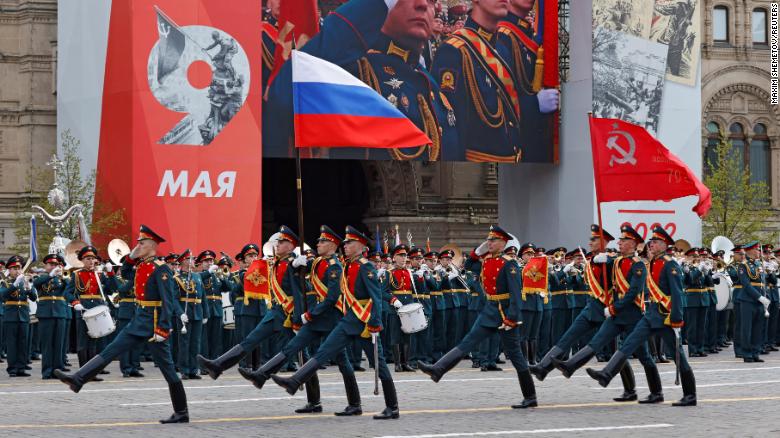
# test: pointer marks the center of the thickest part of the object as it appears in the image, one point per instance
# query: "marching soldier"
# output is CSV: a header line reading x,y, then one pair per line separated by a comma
x,y
2,310
152,323
438,305
531,308
326,274
86,287
624,307
664,318
737,258
401,293
14,292
212,285
52,307
485,356
697,301
450,287
285,298
501,314
753,303
361,322
192,310
560,315
250,308
129,361
580,293
481,88
422,346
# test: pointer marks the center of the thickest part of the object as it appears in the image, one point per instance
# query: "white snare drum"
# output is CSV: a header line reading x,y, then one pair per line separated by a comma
x,y
99,322
723,290
412,318
228,318
33,305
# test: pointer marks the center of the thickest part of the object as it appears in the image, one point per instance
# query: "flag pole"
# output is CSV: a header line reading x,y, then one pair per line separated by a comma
x,y
602,240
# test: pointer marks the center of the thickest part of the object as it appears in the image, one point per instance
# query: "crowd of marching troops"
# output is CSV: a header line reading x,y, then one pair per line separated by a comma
x,y
539,309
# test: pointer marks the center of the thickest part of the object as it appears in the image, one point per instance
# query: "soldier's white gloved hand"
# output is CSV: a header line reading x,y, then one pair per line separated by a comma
x,y
374,337
157,338
764,301
381,272
397,304
304,319
299,261
568,268
420,273
452,275
548,100
600,258
205,320
79,307
213,268
56,271
184,318
482,249
19,280
606,313
677,331
99,268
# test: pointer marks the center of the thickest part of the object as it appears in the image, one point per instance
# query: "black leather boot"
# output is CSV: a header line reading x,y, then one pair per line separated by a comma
x,y
217,366
533,349
529,390
391,402
405,359
541,369
689,389
446,363
654,383
304,373
259,377
353,397
313,404
574,363
613,366
179,400
397,358
629,384
84,374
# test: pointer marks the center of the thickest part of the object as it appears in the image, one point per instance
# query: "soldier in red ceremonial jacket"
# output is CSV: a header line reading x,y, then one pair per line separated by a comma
x,y
152,322
501,283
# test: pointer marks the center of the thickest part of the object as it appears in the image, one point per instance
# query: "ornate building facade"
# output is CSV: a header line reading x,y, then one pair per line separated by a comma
x,y
28,47
735,87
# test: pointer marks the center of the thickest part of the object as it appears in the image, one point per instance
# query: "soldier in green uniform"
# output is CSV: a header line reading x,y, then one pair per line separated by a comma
x,y
14,292
361,321
422,347
401,290
152,323
2,310
531,309
697,301
212,284
192,311
129,361
753,303
52,307
664,317
737,258
559,299
438,305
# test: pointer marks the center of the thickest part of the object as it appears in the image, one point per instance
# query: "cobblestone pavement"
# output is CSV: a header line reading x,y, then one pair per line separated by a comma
x,y
735,399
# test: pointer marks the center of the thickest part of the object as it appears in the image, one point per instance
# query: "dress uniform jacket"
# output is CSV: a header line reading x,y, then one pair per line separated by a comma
x,y
502,290
324,314
667,274
156,299
15,306
52,300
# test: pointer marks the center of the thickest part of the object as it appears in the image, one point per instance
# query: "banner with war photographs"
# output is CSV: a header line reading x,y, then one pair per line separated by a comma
x,y
629,16
677,23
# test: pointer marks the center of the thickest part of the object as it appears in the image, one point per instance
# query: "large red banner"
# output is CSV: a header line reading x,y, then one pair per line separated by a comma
x,y
180,139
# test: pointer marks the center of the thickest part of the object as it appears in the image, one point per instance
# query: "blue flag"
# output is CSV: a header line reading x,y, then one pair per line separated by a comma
x,y
33,240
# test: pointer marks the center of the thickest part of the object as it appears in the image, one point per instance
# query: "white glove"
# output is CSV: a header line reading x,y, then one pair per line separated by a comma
x,y
420,273
99,268
299,261
548,100
606,313
397,304
482,249
213,268
677,332
205,320
109,267
600,258
439,269
374,337
304,319
184,318
56,271
19,280
568,268
381,272
686,268
157,338
79,307
452,275
764,300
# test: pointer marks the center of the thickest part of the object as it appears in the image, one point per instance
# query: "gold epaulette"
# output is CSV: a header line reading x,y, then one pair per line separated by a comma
x,y
158,262
362,260
455,42
636,259
667,257
373,51
507,257
332,262
505,30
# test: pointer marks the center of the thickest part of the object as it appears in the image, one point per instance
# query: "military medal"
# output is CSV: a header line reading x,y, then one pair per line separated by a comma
x,y
405,102
487,81
394,83
393,100
451,118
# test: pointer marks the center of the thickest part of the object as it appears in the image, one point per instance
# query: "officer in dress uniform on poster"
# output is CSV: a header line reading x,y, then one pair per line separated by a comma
x,y
664,318
361,322
52,307
15,290
382,47
501,283
152,323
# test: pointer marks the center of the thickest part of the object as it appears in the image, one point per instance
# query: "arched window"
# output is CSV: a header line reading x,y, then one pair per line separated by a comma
x,y
720,24
759,155
758,24
737,138
710,151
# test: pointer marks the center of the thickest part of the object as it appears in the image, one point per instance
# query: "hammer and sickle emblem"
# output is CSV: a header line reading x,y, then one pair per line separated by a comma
x,y
164,29
624,156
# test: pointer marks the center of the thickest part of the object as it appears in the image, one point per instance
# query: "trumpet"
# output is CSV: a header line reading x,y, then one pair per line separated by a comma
x,y
225,270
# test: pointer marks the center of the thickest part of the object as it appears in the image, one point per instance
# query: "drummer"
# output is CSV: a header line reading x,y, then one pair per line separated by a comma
x,y
401,293
86,288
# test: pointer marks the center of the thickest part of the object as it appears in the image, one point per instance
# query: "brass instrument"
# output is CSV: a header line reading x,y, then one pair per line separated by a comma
x,y
72,261
117,249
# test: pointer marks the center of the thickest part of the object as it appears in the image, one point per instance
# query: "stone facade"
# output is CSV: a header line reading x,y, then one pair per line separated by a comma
x,y
28,46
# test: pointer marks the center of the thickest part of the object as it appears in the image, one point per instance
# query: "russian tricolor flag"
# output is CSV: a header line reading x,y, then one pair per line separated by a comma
x,y
335,109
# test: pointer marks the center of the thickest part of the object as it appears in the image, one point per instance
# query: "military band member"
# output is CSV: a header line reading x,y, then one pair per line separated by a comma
x,y
753,303
697,301
451,287
401,293
52,307
711,320
86,286
192,310
14,293
531,308
252,308
664,317
361,321
152,323
624,308
212,326
770,267
129,361
501,314
485,356
286,302
438,305
421,345
2,310
322,316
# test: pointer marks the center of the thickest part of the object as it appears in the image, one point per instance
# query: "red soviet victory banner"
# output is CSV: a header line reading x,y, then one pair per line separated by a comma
x,y
630,165
297,19
180,129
